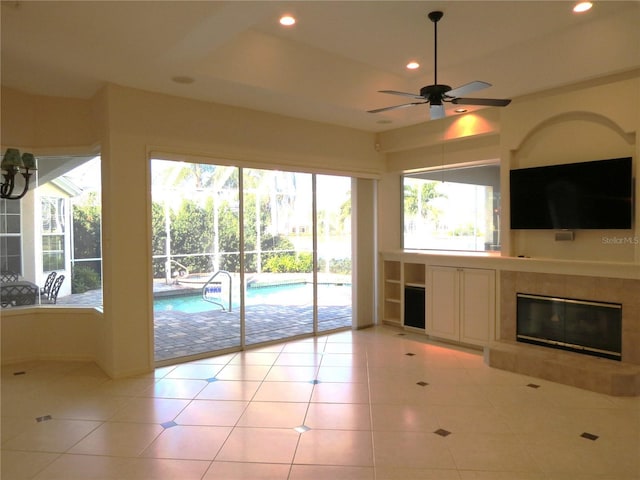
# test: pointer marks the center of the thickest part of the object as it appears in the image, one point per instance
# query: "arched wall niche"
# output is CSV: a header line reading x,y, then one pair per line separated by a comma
x,y
570,137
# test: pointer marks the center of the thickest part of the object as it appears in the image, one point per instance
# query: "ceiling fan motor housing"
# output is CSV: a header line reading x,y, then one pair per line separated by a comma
x,y
434,93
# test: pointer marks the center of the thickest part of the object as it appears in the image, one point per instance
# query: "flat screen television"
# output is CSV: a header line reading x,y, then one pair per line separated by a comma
x,y
573,196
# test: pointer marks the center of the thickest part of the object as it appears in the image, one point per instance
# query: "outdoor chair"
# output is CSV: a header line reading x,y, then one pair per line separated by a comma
x,y
7,276
55,288
17,294
48,284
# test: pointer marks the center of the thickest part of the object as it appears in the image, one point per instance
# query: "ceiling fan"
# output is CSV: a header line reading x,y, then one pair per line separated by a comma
x,y
436,94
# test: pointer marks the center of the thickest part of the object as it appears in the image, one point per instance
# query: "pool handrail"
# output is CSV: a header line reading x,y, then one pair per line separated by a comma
x,y
210,281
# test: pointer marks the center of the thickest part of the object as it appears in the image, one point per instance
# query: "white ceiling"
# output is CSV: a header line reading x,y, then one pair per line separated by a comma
x,y
329,66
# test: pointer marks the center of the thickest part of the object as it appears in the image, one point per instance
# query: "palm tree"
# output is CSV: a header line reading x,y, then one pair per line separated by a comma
x,y
196,180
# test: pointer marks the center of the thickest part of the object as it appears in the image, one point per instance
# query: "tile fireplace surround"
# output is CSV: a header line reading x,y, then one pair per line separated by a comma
x,y
597,374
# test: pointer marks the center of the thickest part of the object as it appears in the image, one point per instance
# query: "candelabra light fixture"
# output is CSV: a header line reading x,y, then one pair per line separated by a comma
x,y
12,164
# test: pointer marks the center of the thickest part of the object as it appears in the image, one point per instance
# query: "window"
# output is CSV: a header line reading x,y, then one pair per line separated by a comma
x,y
53,229
10,239
452,209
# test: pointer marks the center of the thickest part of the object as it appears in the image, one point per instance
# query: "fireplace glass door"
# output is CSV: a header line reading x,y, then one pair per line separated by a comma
x,y
593,328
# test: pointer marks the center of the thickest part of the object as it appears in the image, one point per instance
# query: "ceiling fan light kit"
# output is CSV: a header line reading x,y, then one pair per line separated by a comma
x,y
437,93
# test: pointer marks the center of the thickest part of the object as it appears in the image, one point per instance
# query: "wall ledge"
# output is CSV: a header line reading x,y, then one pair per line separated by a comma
x,y
495,261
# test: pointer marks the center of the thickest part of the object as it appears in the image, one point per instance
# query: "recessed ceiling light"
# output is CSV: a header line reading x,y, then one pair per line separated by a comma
x,y
460,110
582,7
287,20
183,79
413,65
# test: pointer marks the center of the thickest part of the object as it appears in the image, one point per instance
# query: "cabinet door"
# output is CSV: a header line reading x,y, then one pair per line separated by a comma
x,y
477,307
443,303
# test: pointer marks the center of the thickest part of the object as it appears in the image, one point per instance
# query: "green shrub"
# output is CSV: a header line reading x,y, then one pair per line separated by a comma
x,y
340,265
289,263
84,278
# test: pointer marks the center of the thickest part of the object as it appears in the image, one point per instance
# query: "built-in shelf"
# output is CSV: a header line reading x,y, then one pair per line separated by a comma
x,y
392,292
392,270
397,276
414,274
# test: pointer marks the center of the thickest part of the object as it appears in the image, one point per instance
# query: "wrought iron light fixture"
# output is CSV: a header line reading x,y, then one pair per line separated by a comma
x,y
12,164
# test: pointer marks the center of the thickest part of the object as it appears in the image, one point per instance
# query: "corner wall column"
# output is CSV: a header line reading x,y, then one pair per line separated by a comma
x,y
363,215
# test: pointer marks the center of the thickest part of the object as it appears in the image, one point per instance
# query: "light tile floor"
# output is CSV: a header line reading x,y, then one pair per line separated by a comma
x,y
370,404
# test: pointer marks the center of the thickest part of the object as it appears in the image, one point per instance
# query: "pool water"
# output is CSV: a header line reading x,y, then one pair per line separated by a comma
x,y
296,295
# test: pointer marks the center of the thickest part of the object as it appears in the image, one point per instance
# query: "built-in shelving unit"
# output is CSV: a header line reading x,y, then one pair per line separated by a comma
x,y
398,275
470,299
450,302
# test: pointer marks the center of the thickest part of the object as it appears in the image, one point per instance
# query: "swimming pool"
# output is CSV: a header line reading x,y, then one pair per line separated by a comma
x,y
299,294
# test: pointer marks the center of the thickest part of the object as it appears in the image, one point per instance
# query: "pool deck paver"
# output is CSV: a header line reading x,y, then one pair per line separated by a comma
x,y
180,334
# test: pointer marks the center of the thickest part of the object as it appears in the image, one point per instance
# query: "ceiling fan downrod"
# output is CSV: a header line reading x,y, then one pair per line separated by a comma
x,y
435,17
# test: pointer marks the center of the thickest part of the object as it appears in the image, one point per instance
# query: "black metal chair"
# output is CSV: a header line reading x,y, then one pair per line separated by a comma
x,y
7,276
46,290
55,288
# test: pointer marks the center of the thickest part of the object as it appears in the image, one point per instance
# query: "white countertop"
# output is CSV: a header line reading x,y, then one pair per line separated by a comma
x,y
494,260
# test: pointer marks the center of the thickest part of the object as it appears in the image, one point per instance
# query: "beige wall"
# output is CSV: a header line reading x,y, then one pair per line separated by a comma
x,y
185,127
52,333
129,125
586,122
600,118
452,141
47,124
363,201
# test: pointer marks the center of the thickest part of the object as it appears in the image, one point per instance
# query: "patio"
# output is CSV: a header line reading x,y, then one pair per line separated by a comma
x,y
180,334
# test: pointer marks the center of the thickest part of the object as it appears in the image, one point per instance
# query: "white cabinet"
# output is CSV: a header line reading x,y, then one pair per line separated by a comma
x,y
443,303
461,304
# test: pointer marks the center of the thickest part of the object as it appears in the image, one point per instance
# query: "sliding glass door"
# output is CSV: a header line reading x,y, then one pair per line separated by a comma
x,y
196,259
246,256
333,220
278,255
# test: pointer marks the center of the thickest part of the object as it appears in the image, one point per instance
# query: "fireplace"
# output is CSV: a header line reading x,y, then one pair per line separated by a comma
x,y
589,327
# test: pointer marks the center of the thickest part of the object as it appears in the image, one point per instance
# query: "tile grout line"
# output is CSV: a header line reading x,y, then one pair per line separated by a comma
x,y
373,443
304,419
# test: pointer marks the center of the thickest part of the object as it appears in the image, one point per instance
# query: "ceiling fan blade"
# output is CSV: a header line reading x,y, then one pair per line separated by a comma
x,y
404,94
489,102
436,112
384,109
467,88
